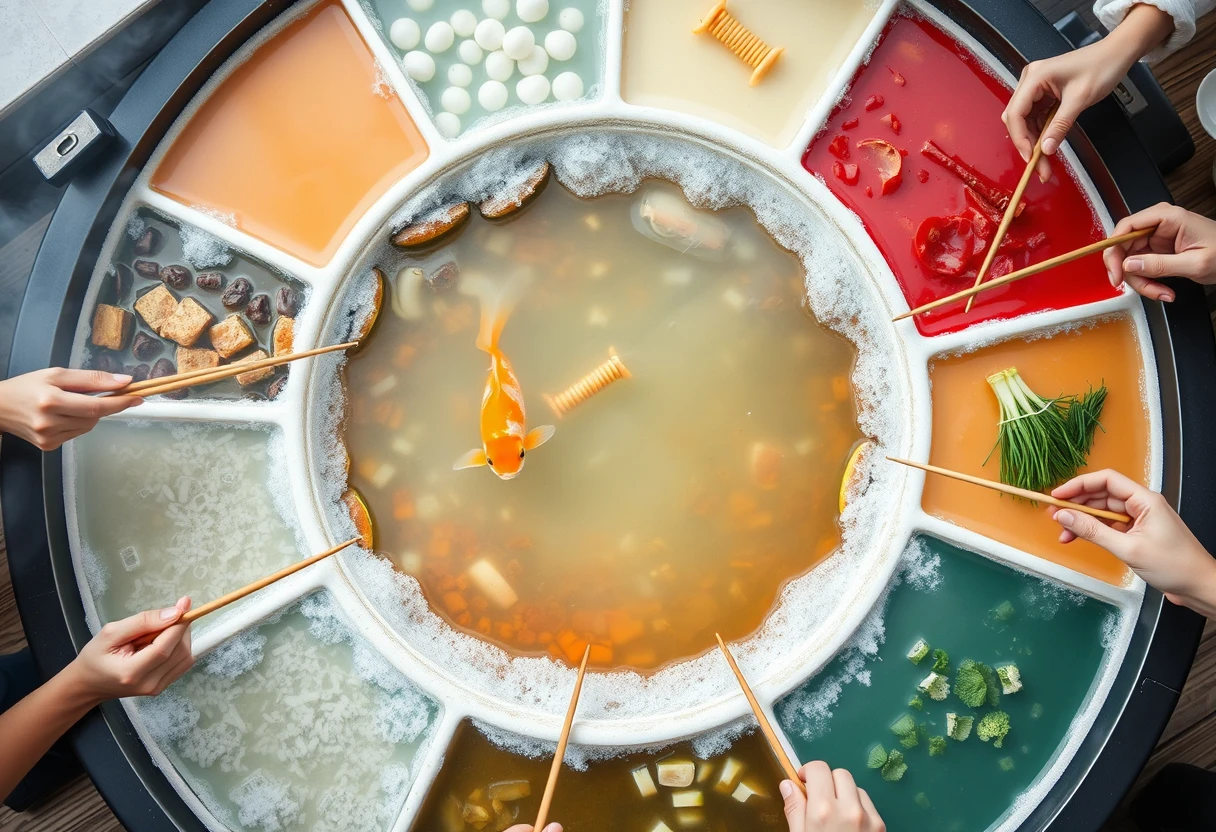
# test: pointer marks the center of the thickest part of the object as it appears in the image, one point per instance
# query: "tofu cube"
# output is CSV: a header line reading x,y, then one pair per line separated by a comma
x,y
230,336
659,826
644,782
731,770
189,359
156,307
687,799
490,582
254,376
282,334
676,773
690,818
112,327
746,791
187,323
705,769
510,790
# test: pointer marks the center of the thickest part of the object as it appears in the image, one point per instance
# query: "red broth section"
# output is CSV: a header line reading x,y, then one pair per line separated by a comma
x,y
917,149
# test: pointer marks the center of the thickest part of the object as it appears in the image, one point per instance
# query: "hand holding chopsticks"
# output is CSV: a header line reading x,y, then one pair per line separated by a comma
x,y
546,800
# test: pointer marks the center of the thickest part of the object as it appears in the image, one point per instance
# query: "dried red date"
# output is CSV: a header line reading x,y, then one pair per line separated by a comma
x,y
258,310
210,281
176,276
443,277
147,269
276,387
145,347
237,294
164,367
148,242
106,362
286,302
138,372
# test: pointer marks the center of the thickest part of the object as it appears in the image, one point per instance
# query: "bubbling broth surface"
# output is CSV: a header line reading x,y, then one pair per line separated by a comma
x,y
668,506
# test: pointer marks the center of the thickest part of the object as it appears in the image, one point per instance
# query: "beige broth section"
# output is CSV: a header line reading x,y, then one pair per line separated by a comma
x,y
666,65
667,506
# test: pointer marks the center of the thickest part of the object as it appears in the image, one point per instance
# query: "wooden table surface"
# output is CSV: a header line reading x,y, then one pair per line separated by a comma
x,y
1190,736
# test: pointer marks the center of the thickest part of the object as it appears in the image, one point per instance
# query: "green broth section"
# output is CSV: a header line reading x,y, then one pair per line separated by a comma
x,y
958,602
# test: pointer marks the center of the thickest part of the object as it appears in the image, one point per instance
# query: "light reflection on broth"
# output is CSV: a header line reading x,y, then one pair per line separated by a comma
x,y
668,506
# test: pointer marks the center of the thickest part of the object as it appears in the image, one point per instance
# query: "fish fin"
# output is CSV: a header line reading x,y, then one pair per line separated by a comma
x,y
494,314
538,436
475,458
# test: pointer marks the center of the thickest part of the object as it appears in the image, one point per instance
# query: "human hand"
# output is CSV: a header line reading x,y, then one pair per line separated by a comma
x,y
1157,545
112,666
1184,245
48,407
833,802
527,827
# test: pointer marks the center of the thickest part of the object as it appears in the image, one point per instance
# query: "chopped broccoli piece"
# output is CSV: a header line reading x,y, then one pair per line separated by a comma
x,y
936,686
993,726
895,767
1011,678
918,651
969,684
877,757
994,687
1036,710
937,746
958,727
921,800
916,702
1006,763
941,661
905,729
1003,612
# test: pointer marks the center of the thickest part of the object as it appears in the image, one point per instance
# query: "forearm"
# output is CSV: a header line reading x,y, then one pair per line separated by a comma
x,y
1144,28
31,727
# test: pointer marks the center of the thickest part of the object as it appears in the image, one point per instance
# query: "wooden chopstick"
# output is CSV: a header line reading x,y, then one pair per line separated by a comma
x,y
167,384
1037,496
1011,210
787,765
551,784
1051,263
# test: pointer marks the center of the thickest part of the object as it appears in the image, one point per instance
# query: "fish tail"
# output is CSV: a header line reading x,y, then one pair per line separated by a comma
x,y
494,314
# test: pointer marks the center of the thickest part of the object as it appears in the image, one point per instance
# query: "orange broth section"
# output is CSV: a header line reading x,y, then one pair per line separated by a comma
x,y
298,141
965,415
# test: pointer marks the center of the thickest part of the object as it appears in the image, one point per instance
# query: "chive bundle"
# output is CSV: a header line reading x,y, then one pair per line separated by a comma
x,y
1042,442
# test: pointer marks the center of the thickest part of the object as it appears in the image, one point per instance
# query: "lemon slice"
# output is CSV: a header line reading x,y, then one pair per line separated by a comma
x,y
361,516
849,469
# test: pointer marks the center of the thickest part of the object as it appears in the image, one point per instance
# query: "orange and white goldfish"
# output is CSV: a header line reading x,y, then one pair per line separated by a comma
x,y
504,443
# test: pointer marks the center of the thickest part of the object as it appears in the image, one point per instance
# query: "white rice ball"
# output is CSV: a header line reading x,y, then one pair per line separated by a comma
x,y
560,45
463,22
531,11
492,96
460,75
497,9
536,63
570,19
420,5
419,65
470,52
405,33
498,66
456,100
518,43
533,89
488,34
448,124
440,37
567,86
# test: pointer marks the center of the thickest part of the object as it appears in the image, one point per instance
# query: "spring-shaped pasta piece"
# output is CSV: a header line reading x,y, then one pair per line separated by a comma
x,y
739,39
587,386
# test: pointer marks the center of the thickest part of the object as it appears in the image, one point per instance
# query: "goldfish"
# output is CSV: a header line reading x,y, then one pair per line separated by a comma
x,y
504,442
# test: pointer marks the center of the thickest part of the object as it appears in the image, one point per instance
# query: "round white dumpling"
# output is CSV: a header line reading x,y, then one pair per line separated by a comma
x,y
405,33
492,96
518,43
567,86
420,5
498,66
570,19
456,100
470,52
440,37
497,9
531,11
533,89
448,124
536,63
460,75
463,22
560,45
488,34
419,65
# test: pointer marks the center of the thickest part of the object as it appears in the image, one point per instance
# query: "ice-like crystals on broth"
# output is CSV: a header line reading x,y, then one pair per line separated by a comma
x,y
203,250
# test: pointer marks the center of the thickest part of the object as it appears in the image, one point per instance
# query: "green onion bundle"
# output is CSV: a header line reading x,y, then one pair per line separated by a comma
x,y
1042,442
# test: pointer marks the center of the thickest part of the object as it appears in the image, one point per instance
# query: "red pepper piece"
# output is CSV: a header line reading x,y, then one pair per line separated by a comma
x,y
972,178
874,102
922,175
1036,240
945,244
839,147
892,121
850,124
896,77
846,172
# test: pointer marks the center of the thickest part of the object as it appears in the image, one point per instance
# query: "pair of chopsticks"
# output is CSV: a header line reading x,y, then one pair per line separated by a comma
x,y
207,375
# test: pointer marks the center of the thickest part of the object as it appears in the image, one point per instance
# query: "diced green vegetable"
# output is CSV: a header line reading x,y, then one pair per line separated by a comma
x,y
1036,710
895,767
916,702
905,729
921,800
993,726
958,727
1010,677
994,686
935,686
1006,763
1003,612
918,651
941,661
937,746
969,684
877,757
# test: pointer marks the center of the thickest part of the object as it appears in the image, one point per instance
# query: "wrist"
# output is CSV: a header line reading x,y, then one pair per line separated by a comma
x,y
78,692
1144,28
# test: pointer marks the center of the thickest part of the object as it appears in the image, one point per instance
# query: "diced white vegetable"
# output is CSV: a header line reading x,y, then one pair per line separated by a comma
x,y
747,790
704,769
732,769
492,584
687,798
382,386
644,782
384,475
659,826
690,818
676,773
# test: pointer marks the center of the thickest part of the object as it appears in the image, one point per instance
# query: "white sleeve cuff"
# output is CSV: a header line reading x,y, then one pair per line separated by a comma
x,y
1184,13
